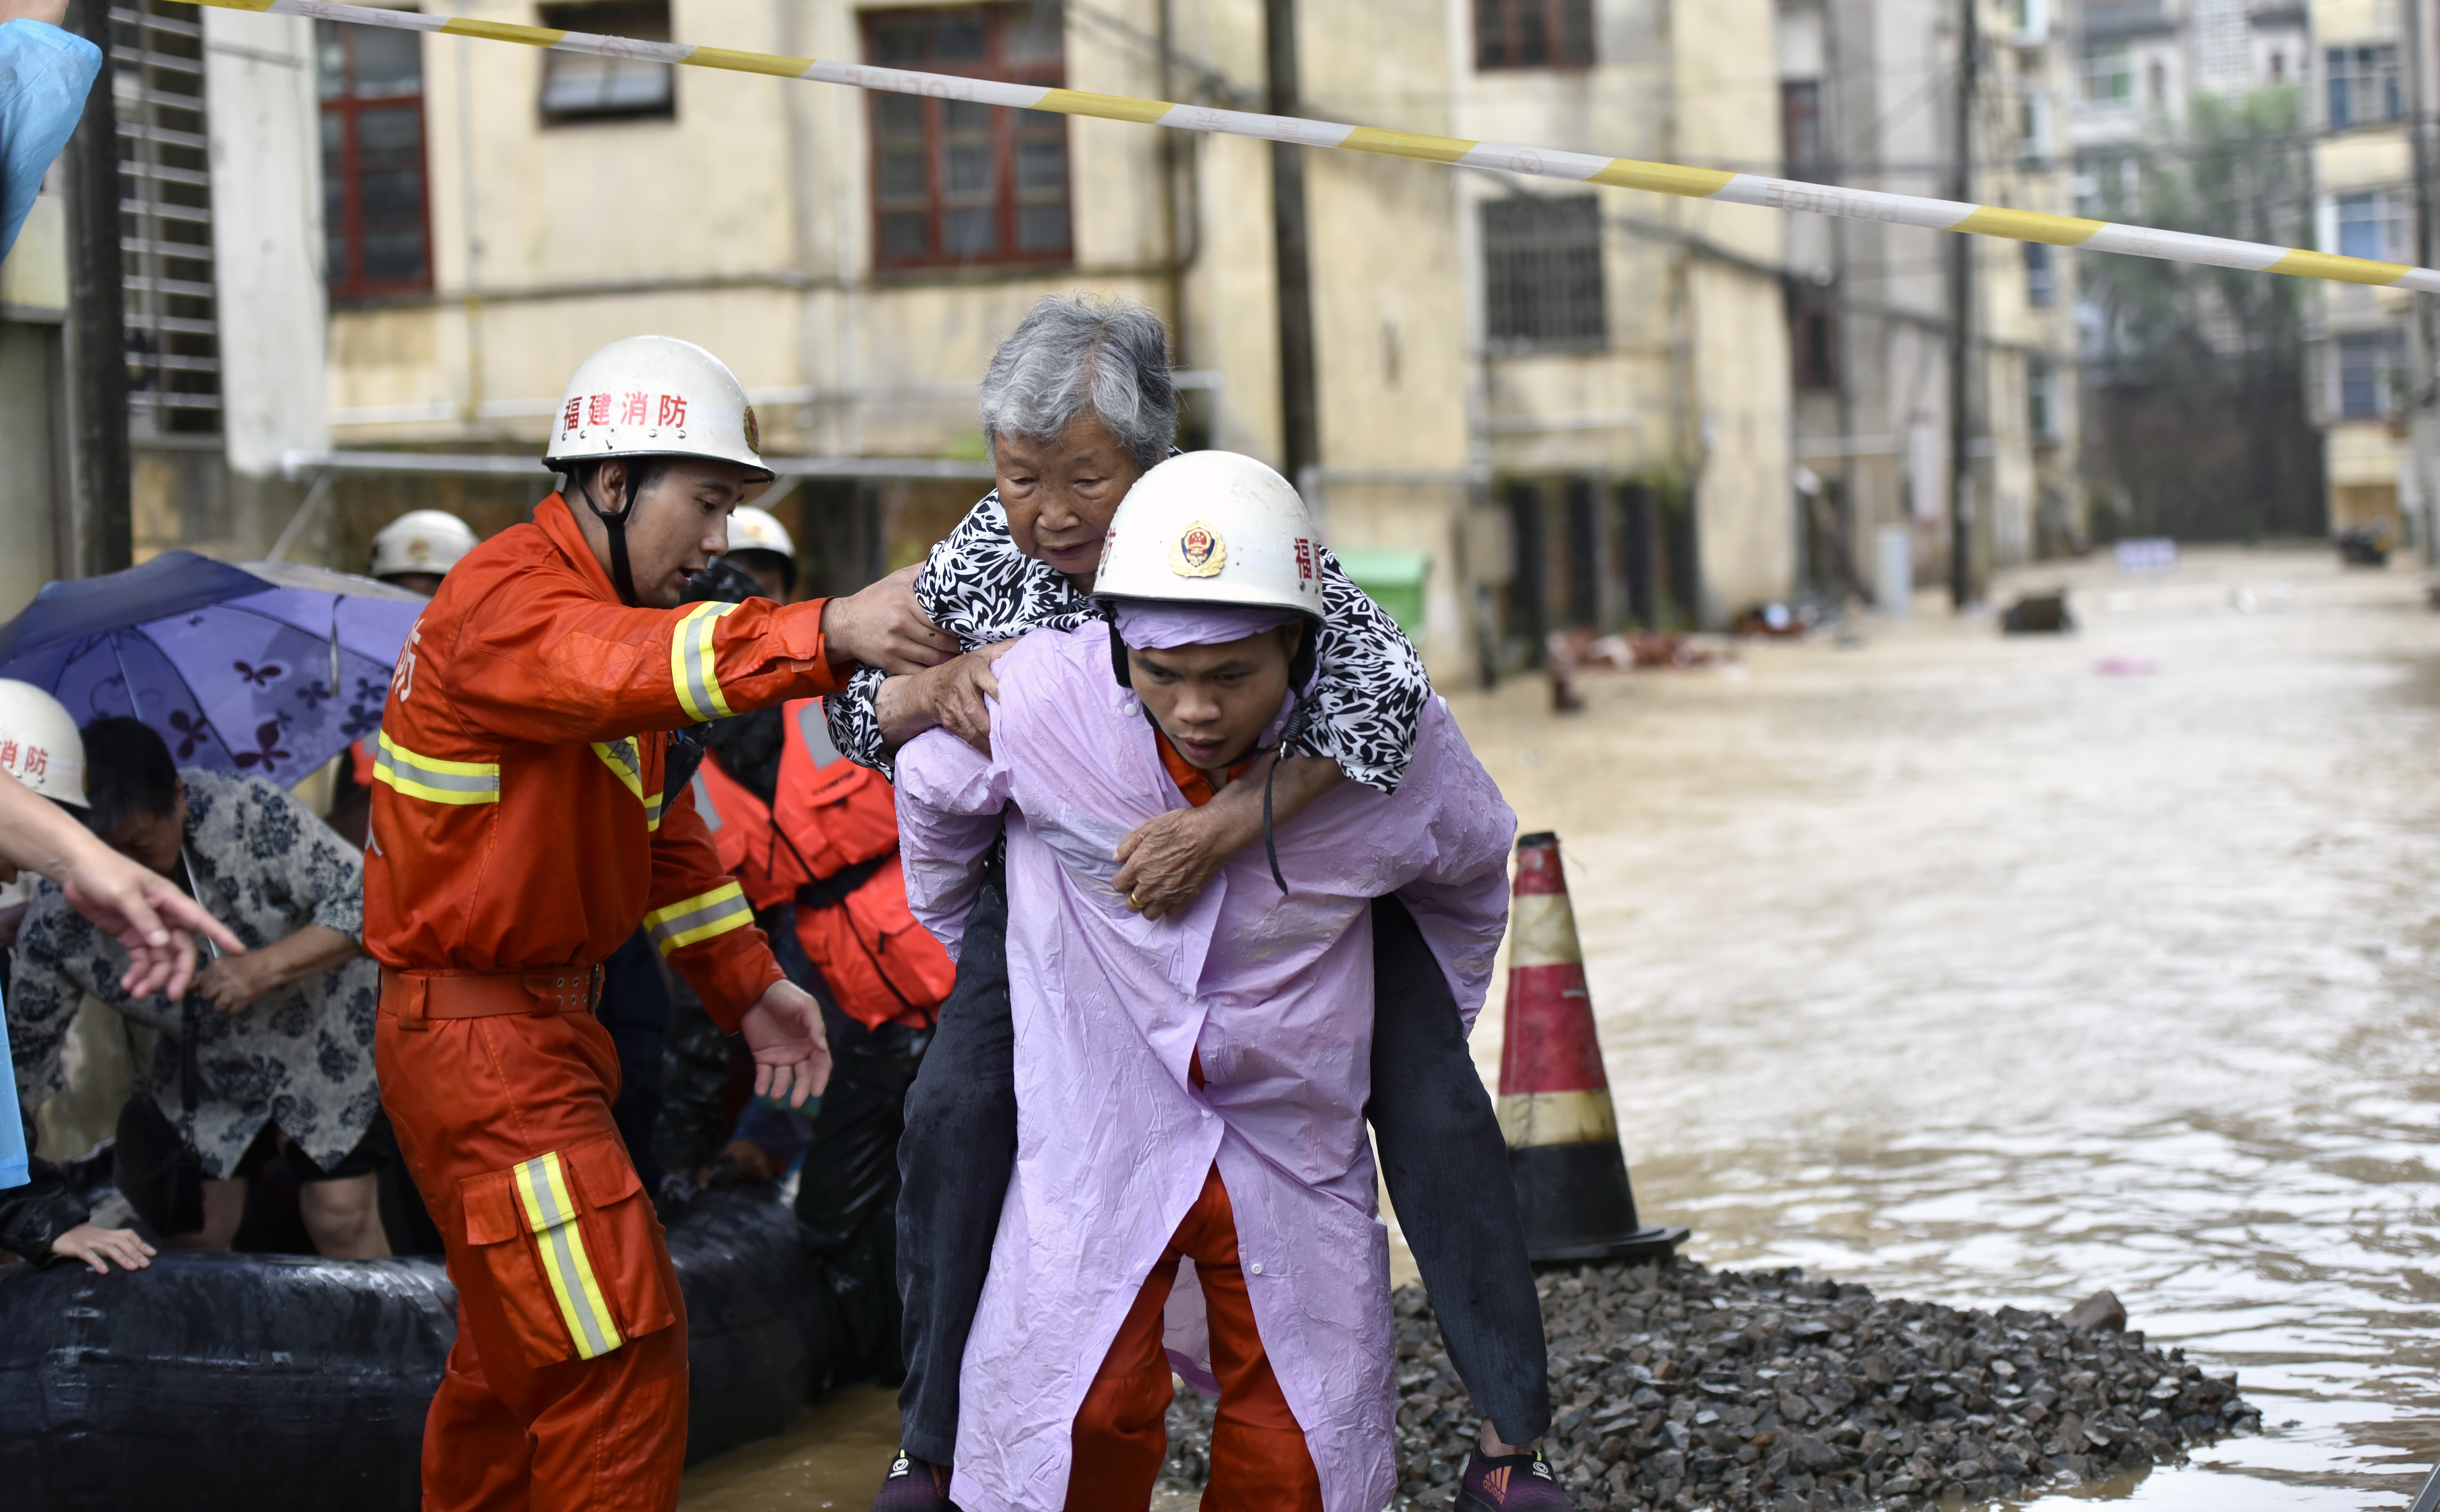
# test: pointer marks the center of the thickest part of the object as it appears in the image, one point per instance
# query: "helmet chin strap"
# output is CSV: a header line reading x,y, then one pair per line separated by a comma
x,y
621,576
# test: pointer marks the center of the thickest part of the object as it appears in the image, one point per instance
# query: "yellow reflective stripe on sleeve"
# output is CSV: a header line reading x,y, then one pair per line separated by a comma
x,y
693,920
433,779
625,759
691,670
541,1186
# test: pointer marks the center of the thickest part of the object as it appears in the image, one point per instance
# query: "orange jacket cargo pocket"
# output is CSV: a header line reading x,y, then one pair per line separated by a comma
x,y
569,1242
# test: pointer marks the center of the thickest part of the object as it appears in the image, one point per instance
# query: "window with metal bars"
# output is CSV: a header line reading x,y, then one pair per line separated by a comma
x,y
954,183
376,213
1542,272
165,219
1532,33
1801,148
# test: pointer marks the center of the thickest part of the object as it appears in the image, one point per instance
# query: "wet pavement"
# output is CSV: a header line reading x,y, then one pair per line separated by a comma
x,y
2001,970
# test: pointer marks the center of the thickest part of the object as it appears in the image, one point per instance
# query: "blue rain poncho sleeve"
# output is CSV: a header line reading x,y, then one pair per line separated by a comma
x,y
45,73
13,1128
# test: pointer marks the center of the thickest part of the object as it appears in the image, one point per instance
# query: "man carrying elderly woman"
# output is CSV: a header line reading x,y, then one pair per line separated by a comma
x,y
1077,404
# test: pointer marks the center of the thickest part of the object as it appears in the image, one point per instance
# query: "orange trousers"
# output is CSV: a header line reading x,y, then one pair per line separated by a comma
x,y
567,1386
1258,1459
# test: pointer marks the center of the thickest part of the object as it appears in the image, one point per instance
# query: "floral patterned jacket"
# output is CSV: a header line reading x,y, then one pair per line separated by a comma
x,y
301,1056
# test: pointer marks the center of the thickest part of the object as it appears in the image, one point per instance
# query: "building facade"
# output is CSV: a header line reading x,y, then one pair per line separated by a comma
x,y
1536,409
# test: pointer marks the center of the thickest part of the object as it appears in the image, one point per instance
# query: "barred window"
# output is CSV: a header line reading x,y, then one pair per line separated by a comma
x,y
2042,275
2374,224
1532,33
165,219
2108,75
2363,85
1542,272
578,86
1800,130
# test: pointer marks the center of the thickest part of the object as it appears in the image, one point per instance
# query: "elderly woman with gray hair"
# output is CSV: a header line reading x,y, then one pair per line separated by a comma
x,y
1078,403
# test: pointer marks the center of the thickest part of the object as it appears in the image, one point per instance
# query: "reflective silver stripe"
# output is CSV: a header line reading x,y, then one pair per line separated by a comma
x,y
815,733
682,924
690,663
704,806
458,782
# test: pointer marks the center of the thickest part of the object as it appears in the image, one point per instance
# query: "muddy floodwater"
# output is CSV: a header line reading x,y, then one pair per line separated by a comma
x,y
2001,970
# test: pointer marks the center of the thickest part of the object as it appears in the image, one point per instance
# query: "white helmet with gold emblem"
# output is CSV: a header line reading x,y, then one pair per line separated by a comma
x,y
1214,527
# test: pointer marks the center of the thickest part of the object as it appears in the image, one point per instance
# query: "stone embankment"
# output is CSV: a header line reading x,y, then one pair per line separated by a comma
x,y
1681,1387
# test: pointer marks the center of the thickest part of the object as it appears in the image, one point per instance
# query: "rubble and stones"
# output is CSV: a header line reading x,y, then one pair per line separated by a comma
x,y
1679,1387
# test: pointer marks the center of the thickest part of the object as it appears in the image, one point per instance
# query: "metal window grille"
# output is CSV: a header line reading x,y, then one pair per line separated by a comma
x,y
165,221
2108,75
1532,33
1800,130
2363,85
1542,272
955,183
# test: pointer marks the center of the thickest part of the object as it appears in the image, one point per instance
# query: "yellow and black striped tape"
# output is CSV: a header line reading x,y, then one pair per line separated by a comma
x,y
1538,162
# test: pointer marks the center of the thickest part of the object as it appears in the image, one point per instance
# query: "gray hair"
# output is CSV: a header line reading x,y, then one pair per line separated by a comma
x,y
1069,355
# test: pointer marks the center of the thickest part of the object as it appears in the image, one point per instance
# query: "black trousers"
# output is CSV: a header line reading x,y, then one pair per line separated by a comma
x,y
1440,1151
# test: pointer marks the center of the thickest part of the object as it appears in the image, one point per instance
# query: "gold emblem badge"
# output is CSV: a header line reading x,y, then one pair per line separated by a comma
x,y
753,430
1199,552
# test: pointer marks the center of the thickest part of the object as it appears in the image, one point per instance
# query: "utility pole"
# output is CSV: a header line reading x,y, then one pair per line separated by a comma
x,y
94,532
1960,311
1301,428
2423,348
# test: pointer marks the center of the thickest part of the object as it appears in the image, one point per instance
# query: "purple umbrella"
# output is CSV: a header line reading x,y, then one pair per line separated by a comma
x,y
270,668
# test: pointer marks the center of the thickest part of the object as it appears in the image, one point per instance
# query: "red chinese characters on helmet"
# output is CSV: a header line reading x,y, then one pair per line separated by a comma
x,y
635,409
673,409
567,422
37,761
1304,559
597,410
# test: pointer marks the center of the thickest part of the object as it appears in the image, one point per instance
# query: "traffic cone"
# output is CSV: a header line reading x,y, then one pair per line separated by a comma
x,y
1554,1107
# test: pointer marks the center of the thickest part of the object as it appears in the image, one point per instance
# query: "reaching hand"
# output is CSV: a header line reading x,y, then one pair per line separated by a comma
x,y
882,626
139,908
53,12
95,1246
792,1055
232,982
957,689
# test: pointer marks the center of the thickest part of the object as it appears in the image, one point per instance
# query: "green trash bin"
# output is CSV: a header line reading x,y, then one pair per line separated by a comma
x,y
1393,580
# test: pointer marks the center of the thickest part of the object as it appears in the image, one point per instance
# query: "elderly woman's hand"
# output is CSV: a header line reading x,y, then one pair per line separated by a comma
x,y
882,626
97,1247
949,696
1166,862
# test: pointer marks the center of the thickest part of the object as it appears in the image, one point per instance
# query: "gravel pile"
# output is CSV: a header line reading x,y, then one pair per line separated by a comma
x,y
1681,1387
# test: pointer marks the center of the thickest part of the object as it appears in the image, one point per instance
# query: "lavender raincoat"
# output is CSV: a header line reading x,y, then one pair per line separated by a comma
x,y
1275,993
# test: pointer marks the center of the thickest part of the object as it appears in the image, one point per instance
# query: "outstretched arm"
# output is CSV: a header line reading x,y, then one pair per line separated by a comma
x,y
141,909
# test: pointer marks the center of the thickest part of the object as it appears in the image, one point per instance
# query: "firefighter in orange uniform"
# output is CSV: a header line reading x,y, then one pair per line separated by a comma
x,y
532,808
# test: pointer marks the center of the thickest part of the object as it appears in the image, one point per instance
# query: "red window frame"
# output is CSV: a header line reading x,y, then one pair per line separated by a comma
x,y
1003,128
1534,34
349,282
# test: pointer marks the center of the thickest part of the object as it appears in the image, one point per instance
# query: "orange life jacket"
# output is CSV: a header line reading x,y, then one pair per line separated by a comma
x,y
830,844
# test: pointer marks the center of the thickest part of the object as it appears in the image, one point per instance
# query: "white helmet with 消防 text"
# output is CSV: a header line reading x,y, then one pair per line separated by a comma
x,y
753,530
39,743
655,396
1214,527
430,541
650,397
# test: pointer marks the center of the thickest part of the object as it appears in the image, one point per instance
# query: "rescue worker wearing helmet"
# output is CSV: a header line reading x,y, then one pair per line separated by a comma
x,y
761,546
532,809
416,550
42,1215
1077,405
1192,1087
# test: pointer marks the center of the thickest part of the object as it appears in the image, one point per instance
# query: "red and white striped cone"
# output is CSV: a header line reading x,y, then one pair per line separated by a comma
x,y
1572,1186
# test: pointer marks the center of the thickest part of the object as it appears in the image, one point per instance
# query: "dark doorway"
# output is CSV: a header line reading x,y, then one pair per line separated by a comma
x,y
1529,589
1583,559
1639,554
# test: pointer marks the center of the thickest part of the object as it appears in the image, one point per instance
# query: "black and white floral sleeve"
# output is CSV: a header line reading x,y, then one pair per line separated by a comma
x,y
1369,690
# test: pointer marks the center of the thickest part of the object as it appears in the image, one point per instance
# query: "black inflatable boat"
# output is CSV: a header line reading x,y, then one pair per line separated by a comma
x,y
280,1383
